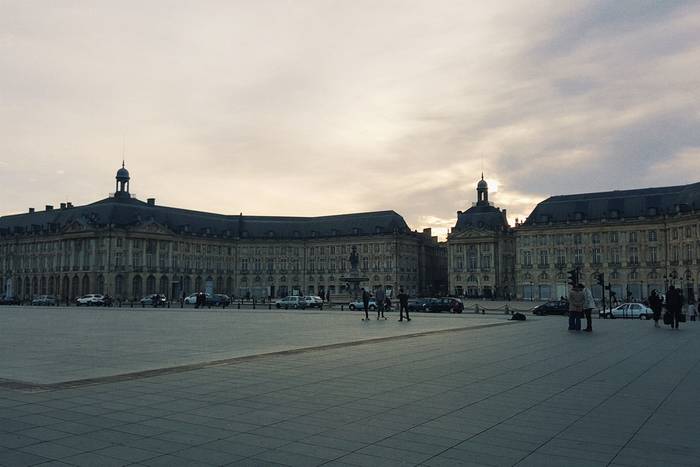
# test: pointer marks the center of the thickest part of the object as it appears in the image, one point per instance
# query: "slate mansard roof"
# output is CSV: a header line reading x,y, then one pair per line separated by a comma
x,y
125,212
646,202
483,216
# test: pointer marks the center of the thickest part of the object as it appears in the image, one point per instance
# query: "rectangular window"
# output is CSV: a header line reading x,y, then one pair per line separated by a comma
x,y
527,258
633,237
651,235
578,256
652,254
633,255
544,259
614,237
597,257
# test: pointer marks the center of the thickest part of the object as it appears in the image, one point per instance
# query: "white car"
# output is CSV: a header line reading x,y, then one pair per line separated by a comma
x,y
291,301
629,310
313,301
360,305
90,299
191,299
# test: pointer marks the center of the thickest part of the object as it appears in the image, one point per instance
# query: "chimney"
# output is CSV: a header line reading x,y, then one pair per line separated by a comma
x,y
63,205
49,207
69,205
151,201
459,213
31,210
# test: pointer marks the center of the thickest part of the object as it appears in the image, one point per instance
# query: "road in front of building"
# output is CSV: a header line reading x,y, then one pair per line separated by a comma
x,y
527,394
53,345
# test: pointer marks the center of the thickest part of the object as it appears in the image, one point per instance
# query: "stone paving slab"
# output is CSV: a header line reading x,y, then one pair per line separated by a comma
x,y
527,394
45,345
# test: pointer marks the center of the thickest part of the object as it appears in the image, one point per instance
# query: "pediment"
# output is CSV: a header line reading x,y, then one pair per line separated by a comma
x,y
152,226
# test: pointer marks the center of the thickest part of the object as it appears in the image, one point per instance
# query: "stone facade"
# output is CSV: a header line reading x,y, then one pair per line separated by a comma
x,y
481,251
127,248
648,240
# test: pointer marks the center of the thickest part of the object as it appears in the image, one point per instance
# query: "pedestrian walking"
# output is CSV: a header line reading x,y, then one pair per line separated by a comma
x,y
674,305
576,303
403,305
365,302
379,297
588,306
692,311
656,304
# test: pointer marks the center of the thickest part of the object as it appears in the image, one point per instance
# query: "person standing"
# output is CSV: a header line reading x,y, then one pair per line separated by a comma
x,y
403,305
674,305
655,304
692,311
588,306
365,302
379,296
576,302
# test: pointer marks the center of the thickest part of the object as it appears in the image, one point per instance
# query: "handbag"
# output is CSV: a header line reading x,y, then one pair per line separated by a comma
x,y
667,317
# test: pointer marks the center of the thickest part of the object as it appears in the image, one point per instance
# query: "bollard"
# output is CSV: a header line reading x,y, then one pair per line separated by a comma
x,y
507,311
168,304
476,308
132,304
341,307
253,304
143,305
483,311
269,306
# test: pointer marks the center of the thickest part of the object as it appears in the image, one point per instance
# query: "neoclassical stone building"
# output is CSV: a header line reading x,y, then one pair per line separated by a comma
x,y
639,239
128,248
481,250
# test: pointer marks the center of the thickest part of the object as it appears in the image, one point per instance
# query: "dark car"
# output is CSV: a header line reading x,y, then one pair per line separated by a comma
x,y
218,299
437,305
5,300
154,300
554,307
45,300
418,304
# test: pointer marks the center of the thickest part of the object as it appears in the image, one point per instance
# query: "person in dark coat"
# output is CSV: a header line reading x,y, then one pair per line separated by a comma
x,y
674,304
365,302
403,305
655,304
379,297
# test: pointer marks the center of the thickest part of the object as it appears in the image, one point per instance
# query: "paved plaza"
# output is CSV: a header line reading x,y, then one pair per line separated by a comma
x,y
442,390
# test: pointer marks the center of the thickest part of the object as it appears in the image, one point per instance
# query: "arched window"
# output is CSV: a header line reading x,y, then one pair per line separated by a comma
x,y
150,285
137,287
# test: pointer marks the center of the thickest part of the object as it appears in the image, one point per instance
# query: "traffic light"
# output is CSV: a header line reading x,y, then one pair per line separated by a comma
x,y
601,279
573,277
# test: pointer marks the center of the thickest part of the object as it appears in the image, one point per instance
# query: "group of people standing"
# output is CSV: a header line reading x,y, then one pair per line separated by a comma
x,y
674,307
384,303
581,303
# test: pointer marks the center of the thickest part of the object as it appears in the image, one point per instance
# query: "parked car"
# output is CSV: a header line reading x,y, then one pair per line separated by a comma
x,y
553,307
9,300
291,301
218,299
628,310
91,299
191,299
418,304
154,300
45,300
360,305
437,305
312,301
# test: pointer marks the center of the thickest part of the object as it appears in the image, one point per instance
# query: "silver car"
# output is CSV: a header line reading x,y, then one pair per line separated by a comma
x,y
629,310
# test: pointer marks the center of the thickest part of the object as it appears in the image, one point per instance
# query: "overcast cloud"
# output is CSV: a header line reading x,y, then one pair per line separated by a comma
x,y
324,107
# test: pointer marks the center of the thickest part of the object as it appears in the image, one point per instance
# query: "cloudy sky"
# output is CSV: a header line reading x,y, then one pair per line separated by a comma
x,y
322,107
